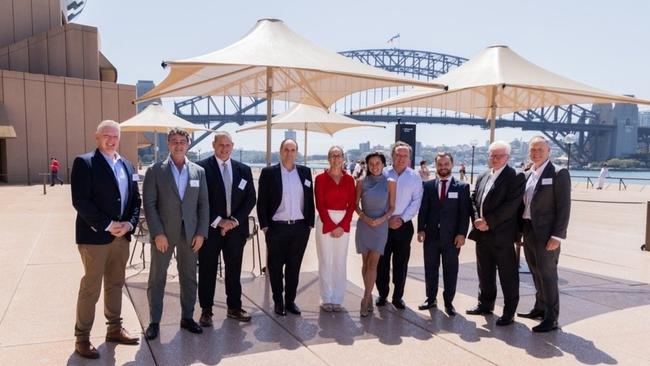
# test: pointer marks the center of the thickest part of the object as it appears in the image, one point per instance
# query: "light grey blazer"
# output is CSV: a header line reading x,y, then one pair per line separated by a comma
x,y
164,209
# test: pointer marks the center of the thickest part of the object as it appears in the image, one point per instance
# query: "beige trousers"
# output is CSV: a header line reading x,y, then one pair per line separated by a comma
x,y
107,262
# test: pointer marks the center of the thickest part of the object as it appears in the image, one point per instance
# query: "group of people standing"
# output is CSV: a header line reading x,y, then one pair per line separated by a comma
x,y
201,211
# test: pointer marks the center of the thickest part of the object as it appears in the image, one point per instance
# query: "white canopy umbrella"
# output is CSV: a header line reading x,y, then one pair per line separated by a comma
x,y
498,81
310,119
272,61
155,118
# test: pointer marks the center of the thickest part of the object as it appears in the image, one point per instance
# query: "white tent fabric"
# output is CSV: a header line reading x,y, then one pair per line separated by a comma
x,y
498,81
300,71
155,118
309,118
312,119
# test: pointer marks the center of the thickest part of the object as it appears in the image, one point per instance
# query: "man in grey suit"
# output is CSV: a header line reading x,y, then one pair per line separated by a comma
x,y
544,216
175,196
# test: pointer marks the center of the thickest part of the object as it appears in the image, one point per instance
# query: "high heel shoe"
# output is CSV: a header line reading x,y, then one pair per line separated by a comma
x,y
364,308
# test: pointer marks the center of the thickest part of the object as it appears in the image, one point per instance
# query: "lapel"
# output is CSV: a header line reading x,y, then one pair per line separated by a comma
x,y
548,172
496,182
219,178
167,169
277,176
236,176
436,196
102,162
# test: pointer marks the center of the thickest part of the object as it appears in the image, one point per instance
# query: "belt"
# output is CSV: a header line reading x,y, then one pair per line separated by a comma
x,y
287,222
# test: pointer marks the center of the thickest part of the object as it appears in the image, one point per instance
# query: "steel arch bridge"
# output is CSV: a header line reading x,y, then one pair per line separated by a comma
x,y
554,122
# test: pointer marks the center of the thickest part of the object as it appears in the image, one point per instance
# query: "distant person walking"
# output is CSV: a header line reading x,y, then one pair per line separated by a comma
x,y
462,172
54,172
602,177
424,171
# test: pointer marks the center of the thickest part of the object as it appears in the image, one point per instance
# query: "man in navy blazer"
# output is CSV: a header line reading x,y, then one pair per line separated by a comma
x,y
285,209
232,198
443,221
105,194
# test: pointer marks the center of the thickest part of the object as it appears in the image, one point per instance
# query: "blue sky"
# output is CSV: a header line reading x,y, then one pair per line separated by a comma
x,y
601,43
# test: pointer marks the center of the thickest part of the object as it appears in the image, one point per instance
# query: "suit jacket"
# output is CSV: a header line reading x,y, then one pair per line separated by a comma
x,y
166,212
550,207
96,197
270,195
448,219
500,206
242,198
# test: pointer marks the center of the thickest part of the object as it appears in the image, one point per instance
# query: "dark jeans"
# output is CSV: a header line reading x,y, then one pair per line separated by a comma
x,y
285,247
399,247
232,248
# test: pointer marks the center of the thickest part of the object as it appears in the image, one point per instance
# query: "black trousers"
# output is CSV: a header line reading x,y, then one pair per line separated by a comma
x,y
434,251
285,247
398,247
490,256
232,248
543,267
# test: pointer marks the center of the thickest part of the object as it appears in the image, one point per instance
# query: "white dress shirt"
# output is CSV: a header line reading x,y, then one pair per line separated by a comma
x,y
531,183
119,171
408,195
492,177
220,164
292,196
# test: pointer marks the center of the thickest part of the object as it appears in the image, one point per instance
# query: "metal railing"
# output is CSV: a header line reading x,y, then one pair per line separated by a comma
x,y
622,185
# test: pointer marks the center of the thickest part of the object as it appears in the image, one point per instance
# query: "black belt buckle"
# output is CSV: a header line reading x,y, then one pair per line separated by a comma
x,y
290,222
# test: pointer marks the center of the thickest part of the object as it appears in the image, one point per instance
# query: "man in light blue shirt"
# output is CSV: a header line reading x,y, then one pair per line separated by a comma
x,y
400,226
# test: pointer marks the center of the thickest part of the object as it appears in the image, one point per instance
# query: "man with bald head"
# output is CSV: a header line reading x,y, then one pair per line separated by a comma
x,y
495,202
285,208
105,194
545,215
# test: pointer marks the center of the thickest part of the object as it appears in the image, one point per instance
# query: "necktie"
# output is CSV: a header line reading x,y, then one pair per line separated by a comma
x,y
443,191
227,182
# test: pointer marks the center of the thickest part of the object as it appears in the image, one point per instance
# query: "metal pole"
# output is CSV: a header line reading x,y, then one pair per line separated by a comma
x,y
493,112
471,174
269,111
305,145
568,157
646,246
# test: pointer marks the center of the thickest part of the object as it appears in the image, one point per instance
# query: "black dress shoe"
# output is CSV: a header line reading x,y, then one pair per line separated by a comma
x,y
505,319
381,301
428,305
206,318
191,326
152,331
278,308
239,315
478,310
533,314
399,304
450,310
545,326
292,308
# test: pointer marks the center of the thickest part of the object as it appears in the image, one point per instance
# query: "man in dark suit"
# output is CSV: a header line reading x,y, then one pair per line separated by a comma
x,y
545,215
495,201
232,198
175,196
443,221
105,194
285,208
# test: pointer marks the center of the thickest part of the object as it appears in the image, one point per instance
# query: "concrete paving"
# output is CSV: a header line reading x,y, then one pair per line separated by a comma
x,y
604,285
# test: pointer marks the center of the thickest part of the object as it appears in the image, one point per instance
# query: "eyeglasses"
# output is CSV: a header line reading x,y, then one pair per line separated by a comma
x,y
497,156
336,156
178,142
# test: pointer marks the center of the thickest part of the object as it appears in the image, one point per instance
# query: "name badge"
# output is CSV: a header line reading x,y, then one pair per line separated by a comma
x,y
452,195
194,182
136,177
547,181
242,184
307,183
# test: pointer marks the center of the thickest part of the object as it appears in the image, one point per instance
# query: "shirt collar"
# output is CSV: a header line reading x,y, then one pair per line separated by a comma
x,y
185,163
221,162
541,168
285,170
497,172
111,159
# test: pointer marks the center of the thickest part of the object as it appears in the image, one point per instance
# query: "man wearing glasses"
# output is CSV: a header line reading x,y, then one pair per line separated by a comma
x,y
495,202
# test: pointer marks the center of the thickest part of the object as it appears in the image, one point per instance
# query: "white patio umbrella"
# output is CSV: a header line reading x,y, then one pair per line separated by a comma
x,y
498,81
310,119
155,118
272,61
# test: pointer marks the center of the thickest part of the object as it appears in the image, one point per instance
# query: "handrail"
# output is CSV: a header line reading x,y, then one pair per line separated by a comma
x,y
621,180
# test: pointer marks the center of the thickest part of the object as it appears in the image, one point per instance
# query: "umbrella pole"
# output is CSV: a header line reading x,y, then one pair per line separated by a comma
x,y
305,145
155,147
493,113
269,111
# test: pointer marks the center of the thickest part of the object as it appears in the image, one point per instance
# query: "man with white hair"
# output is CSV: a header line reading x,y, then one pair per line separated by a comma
x,y
495,202
105,194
